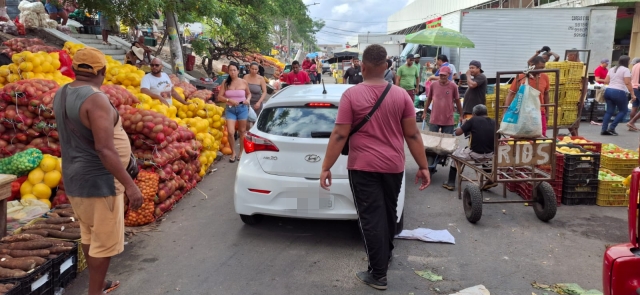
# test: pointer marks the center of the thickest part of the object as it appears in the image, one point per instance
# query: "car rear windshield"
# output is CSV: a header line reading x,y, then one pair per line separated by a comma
x,y
297,121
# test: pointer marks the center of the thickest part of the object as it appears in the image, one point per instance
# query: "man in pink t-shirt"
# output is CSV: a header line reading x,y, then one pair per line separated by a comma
x,y
376,158
296,76
443,95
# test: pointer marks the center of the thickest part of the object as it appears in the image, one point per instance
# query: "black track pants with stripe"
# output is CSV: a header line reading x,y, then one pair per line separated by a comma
x,y
376,198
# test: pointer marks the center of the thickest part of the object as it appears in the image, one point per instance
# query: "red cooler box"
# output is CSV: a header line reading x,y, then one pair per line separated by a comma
x,y
190,62
621,267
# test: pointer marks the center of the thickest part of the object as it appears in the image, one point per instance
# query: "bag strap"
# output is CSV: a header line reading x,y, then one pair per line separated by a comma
x,y
373,110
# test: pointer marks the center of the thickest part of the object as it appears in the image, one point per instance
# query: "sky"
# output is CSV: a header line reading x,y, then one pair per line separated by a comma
x,y
345,18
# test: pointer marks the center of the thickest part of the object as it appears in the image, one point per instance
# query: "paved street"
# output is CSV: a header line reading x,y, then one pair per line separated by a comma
x,y
202,246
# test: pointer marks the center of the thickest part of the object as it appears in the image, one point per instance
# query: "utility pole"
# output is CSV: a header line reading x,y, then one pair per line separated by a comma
x,y
177,62
288,22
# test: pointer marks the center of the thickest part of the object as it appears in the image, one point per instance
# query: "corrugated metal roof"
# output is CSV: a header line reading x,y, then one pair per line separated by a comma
x,y
420,11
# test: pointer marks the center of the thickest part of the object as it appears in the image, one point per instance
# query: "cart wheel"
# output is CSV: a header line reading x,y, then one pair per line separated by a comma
x,y
545,204
472,200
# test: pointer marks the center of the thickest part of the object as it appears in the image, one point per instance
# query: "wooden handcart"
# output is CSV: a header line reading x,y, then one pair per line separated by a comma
x,y
515,161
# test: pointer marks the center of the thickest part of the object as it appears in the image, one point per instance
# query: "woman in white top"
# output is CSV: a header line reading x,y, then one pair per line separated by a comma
x,y
616,95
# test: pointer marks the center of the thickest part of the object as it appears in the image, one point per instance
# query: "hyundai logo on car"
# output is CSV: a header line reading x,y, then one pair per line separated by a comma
x,y
312,158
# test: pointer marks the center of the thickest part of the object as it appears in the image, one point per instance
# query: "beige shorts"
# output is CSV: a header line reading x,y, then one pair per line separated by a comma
x,y
101,223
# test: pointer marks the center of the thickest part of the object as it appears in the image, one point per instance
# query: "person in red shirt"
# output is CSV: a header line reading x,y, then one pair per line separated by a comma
x,y
601,71
306,64
444,95
376,160
297,77
539,81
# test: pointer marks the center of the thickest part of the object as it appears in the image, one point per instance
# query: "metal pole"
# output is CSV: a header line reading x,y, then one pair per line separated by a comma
x,y
288,40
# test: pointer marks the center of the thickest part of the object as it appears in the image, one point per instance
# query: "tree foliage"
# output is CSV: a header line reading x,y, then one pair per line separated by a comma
x,y
236,26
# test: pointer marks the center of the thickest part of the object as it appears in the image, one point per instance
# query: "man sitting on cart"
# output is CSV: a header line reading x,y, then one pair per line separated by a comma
x,y
481,130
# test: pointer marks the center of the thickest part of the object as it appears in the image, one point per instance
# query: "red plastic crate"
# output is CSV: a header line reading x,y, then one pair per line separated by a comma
x,y
591,146
525,190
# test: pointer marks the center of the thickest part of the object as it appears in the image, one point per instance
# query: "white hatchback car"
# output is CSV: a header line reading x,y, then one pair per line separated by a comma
x,y
279,171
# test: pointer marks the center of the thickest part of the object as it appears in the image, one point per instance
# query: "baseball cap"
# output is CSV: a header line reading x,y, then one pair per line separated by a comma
x,y
604,60
416,56
477,64
89,56
445,71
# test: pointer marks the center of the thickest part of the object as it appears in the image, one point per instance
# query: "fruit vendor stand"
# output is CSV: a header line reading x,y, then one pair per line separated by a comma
x,y
516,160
174,147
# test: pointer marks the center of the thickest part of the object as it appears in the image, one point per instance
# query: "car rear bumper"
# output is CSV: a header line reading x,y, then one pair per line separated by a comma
x,y
290,196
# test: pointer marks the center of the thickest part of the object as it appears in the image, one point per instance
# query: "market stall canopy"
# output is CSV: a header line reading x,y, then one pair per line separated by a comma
x,y
440,37
343,55
352,49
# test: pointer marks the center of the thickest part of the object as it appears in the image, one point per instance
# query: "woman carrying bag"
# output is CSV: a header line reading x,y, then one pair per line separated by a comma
x,y
616,95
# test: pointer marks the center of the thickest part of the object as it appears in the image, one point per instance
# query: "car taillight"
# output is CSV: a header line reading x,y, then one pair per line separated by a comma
x,y
254,143
259,191
319,105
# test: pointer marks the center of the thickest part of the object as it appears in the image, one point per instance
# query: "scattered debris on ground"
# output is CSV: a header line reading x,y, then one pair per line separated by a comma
x,y
429,275
475,290
565,289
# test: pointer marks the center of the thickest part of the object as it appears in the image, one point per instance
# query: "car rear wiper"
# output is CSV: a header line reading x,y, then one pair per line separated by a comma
x,y
320,134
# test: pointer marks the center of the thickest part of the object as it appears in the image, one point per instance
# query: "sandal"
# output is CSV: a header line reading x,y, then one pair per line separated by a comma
x,y
110,286
232,160
106,43
632,127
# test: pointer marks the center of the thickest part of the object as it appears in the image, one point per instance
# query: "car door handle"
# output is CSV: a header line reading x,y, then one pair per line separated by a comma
x,y
312,178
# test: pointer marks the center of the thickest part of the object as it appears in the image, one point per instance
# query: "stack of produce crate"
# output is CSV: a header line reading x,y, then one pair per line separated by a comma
x,y
569,91
611,190
579,175
491,100
620,161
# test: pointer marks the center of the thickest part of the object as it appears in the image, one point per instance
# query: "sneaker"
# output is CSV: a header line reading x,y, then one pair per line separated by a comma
x,y
613,132
449,186
606,133
367,278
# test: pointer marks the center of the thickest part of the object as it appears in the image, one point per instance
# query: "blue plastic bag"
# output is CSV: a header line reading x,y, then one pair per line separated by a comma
x,y
523,118
512,115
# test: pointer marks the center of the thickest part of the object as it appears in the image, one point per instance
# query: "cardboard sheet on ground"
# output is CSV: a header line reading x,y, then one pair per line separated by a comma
x,y
427,235
475,290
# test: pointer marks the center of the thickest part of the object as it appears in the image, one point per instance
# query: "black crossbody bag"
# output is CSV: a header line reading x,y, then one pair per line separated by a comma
x,y
345,149
132,167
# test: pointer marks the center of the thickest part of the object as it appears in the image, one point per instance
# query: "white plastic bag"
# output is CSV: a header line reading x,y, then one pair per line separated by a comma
x,y
30,19
252,115
523,118
36,7
49,23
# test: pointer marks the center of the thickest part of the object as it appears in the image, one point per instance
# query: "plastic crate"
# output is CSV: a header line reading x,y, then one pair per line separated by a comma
x,y
622,167
589,146
576,189
525,190
578,201
581,166
38,282
611,190
612,203
65,268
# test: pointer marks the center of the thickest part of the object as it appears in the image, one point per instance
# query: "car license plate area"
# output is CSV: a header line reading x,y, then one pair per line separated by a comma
x,y
304,200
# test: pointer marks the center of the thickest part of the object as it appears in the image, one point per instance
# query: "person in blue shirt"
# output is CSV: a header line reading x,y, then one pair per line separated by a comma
x,y
443,61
